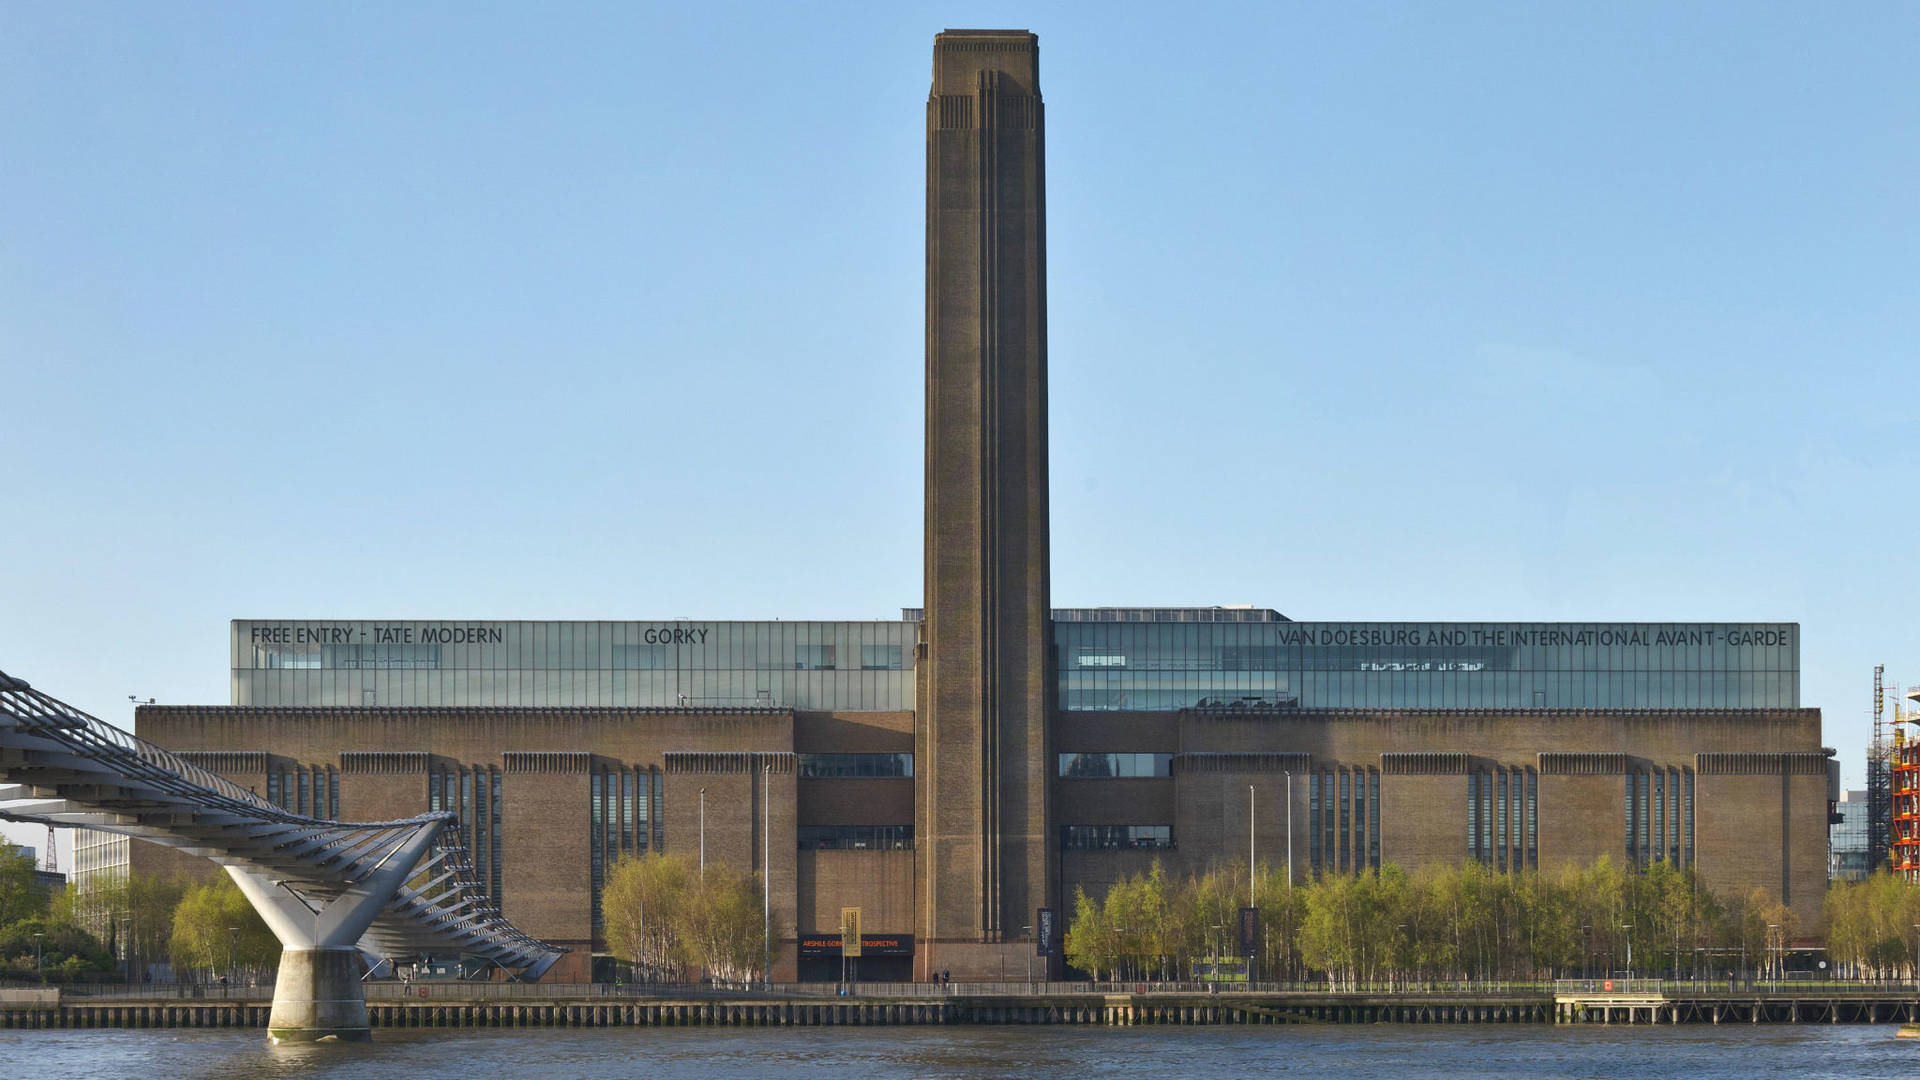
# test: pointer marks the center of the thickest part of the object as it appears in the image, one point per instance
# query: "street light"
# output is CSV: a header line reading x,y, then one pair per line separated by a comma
x,y
703,834
1250,870
1586,959
1403,936
1289,835
1773,959
233,955
37,969
1027,932
1219,947
766,871
1628,927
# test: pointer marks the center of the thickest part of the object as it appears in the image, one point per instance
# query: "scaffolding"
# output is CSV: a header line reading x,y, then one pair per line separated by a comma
x,y
1879,776
1904,758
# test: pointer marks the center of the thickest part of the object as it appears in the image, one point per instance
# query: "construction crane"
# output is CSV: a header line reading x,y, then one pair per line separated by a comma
x,y
1879,777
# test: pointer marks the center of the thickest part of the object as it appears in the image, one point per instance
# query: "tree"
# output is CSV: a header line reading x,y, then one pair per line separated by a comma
x,y
642,906
215,929
133,914
21,896
725,924
1091,944
59,951
663,916
1281,908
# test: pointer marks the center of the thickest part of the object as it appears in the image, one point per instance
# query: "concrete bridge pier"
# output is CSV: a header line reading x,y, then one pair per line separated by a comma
x,y
317,994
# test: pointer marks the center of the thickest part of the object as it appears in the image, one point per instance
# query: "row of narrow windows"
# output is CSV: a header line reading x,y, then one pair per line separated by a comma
x,y
1660,817
1343,820
1503,818
474,794
1343,814
307,790
625,819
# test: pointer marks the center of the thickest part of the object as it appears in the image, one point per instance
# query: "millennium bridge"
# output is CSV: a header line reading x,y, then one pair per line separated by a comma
x,y
329,890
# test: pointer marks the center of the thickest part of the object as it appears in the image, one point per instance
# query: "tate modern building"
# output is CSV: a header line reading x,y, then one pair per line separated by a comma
x,y
958,769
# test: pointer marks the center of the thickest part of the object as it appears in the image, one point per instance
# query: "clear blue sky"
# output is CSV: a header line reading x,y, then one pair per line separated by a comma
x,y
1414,311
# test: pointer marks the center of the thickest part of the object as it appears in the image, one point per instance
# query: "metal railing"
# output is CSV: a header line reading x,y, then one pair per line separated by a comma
x,y
181,992
464,990
1744,987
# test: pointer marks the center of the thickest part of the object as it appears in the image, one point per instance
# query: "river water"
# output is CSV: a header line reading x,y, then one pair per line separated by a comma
x,y
1802,1052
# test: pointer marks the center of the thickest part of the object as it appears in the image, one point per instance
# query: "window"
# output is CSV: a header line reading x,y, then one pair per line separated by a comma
x,y
855,837
1115,766
350,657
1500,839
1473,815
308,790
273,658
1346,822
1329,814
1533,820
596,852
1659,848
1373,818
1686,813
880,658
838,766
643,657
621,803
1633,819
1115,837
813,658
1313,824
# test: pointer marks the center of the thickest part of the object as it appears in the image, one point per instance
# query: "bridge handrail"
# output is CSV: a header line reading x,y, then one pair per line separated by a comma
x,y
457,913
162,767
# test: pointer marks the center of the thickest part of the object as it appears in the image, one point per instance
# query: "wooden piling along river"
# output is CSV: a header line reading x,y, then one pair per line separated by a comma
x,y
534,1005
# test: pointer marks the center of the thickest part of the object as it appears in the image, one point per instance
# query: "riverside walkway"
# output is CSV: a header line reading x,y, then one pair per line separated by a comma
x,y
456,1004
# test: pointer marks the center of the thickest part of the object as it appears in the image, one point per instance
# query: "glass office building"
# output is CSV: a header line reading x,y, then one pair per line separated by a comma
x,y
1848,837
1173,663
676,663
1108,659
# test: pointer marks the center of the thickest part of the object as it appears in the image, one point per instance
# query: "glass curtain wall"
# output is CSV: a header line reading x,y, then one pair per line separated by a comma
x,y
1169,665
802,665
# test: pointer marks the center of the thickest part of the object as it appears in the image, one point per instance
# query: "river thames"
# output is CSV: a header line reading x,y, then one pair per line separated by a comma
x,y
1803,1052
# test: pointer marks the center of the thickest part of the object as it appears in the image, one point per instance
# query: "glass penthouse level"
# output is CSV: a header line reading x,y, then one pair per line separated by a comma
x,y
1107,659
1168,663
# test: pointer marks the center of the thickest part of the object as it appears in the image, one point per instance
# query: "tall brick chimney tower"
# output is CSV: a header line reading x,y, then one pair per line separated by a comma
x,y
984,678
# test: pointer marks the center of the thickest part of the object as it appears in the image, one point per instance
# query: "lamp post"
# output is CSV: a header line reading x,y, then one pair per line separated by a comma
x,y
703,834
1916,954
233,955
1628,927
1403,936
1586,958
1289,835
766,871
37,968
1027,932
1773,954
1250,866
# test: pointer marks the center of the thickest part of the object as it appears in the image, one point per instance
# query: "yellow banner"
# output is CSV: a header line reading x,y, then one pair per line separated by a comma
x,y
849,931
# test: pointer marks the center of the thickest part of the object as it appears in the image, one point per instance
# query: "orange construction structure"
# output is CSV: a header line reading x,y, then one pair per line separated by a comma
x,y
1905,851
